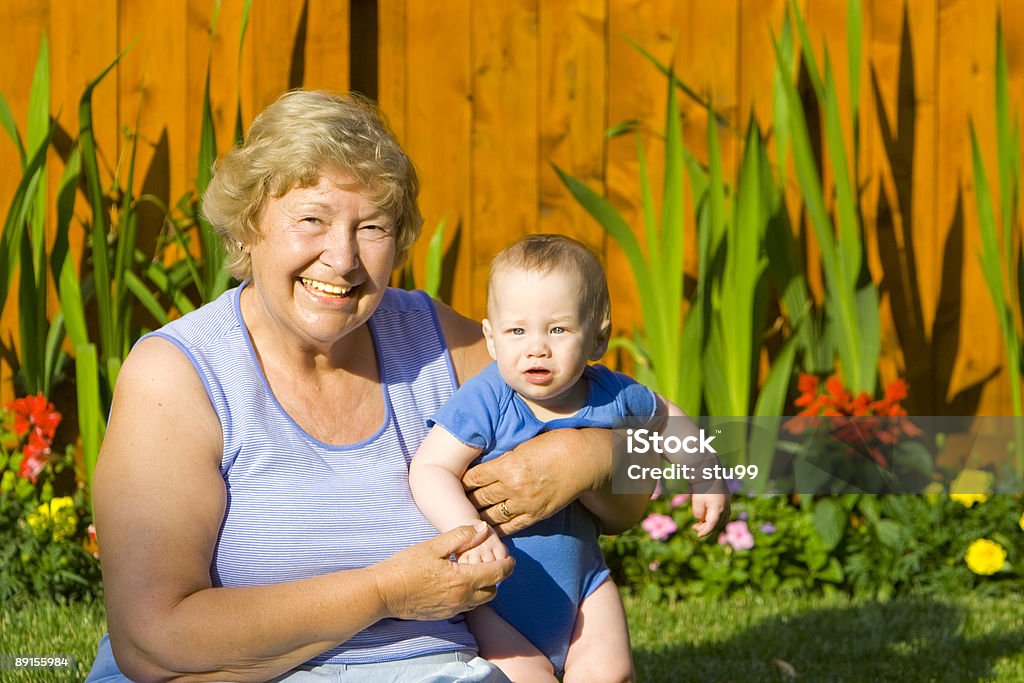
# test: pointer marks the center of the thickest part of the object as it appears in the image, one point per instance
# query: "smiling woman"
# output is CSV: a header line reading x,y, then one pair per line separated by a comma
x,y
252,492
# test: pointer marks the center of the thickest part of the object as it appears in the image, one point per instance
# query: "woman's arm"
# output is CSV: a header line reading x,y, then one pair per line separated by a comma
x,y
547,472
160,501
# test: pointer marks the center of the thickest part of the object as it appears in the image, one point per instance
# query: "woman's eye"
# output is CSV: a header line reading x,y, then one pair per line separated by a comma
x,y
374,231
310,219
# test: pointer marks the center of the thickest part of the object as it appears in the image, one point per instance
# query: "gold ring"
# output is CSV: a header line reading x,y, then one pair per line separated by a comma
x,y
504,509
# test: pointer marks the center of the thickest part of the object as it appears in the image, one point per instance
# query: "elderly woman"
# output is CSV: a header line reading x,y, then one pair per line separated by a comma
x,y
251,496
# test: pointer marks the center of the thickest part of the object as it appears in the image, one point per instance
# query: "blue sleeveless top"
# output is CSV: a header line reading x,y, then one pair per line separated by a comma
x,y
298,507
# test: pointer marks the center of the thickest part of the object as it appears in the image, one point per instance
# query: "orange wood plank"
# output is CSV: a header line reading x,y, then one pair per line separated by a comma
x,y
637,91
900,128
758,21
392,63
278,53
437,127
965,93
505,128
74,63
152,89
573,98
327,46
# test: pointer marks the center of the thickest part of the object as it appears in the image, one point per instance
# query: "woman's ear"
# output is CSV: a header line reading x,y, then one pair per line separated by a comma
x,y
601,340
489,338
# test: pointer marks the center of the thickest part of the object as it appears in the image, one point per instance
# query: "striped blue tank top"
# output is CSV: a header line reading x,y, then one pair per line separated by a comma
x,y
298,507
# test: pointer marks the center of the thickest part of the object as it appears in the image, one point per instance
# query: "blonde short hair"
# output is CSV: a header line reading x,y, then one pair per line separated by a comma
x,y
557,253
290,144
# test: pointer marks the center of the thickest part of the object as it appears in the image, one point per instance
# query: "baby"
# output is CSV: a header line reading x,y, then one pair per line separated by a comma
x,y
548,314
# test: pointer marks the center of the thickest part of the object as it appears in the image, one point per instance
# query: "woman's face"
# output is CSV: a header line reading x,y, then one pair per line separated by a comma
x,y
323,260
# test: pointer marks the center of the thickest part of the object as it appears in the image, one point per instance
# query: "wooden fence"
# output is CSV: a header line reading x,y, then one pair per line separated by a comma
x,y
487,94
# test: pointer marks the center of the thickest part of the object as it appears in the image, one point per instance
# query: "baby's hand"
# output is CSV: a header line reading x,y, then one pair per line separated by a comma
x,y
709,509
489,550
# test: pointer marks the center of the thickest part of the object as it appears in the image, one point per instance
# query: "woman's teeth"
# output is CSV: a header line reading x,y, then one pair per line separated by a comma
x,y
325,288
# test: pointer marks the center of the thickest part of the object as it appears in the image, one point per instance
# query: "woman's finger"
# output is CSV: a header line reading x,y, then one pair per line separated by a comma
x,y
483,485
487,496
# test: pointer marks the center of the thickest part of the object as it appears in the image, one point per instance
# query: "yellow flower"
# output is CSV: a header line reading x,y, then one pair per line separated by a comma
x,y
1021,522
57,517
985,557
968,499
970,487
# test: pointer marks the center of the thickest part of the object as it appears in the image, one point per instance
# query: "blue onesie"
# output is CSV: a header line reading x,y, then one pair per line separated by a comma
x,y
558,560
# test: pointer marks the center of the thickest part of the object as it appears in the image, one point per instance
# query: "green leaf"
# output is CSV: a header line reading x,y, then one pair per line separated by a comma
x,y
891,534
435,259
90,411
100,225
53,355
146,298
853,47
7,121
807,49
833,572
830,520
15,222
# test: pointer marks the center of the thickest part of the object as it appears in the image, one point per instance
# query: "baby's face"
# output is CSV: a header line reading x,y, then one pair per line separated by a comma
x,y
535,331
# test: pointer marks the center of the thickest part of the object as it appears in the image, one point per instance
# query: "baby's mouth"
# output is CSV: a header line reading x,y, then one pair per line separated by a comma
x,y
538,375
325,288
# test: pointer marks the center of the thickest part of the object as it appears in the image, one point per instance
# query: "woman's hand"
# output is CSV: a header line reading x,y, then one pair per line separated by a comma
x,y
422,581
539,478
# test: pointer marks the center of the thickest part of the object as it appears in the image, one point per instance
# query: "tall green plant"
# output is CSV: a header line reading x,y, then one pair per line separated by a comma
x,y
851,298
115,274
710,358
664,346
23,243
1003,265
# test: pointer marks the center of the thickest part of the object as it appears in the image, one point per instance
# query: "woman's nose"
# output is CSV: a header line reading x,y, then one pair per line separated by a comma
x,y
340,252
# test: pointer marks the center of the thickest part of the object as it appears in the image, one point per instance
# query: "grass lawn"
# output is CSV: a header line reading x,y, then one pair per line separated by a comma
x,y
743,638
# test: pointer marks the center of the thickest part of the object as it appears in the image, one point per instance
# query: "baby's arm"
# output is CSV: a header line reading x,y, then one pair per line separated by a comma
x,y
710,508
435,477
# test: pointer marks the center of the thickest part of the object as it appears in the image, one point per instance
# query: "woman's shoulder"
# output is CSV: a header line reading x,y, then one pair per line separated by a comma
x,y
206,324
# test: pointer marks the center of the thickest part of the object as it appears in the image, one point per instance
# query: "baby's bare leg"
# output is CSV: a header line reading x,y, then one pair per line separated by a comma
x,y
501,644
599,651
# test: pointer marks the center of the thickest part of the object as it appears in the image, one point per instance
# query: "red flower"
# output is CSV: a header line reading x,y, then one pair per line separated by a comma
x,y
34,412
837,402
35,454
896,391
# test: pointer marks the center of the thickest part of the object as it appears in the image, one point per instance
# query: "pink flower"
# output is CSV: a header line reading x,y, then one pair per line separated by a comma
x,y
680,499
653,566
659,527
737,535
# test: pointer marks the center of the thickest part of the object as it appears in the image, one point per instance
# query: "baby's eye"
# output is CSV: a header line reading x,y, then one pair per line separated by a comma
x,y
557,330
518,331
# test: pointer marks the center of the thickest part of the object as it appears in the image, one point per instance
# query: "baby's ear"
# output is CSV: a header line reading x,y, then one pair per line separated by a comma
x,y
489,338
601,340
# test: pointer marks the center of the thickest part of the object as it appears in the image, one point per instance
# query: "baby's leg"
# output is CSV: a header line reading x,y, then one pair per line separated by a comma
x,y
507,648
599,651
